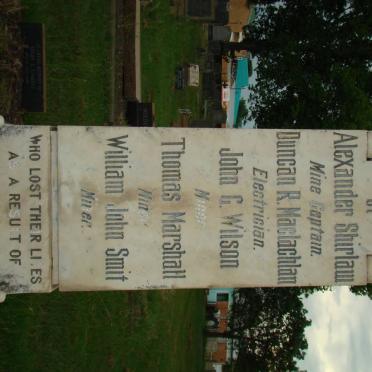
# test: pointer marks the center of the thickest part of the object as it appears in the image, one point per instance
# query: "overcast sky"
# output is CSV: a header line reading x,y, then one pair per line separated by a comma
x,y
340,337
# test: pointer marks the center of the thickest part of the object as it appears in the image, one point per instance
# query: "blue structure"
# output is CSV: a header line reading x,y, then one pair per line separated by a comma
x,y
239,89
241,84
220,294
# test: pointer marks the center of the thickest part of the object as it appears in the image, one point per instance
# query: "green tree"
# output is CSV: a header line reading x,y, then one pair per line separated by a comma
x,y
267,326
362,290
314,64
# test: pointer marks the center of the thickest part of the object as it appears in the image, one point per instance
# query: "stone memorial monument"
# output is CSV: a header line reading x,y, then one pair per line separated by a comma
x,y
102,208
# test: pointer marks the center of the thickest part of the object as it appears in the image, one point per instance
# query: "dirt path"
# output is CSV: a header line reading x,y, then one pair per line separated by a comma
x,y
126,75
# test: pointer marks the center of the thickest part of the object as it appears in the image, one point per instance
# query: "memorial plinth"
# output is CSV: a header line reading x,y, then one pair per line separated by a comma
x,y
141,208
25,205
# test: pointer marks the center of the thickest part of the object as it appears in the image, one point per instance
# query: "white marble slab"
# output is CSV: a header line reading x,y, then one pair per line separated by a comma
x,y
179,208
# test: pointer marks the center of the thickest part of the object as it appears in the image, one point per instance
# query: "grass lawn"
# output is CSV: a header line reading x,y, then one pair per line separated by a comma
x,y
78,42
102,331
167,42
116,331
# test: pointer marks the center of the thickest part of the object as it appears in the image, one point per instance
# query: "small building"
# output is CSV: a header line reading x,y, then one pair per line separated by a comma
x,y
219,302
239,15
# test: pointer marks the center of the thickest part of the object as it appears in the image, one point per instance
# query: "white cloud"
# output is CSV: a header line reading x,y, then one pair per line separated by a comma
x,y
340,337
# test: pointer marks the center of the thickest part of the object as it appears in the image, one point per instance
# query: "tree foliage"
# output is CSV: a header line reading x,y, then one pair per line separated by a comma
x,y
362,290
314,64
268,328
242,113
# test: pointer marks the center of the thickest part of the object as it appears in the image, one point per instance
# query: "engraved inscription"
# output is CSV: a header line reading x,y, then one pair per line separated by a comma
x,y
201,201
87,199
144,205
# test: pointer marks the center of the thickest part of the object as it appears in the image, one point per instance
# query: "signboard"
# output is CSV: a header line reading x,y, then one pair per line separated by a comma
x,y
148,208
193,75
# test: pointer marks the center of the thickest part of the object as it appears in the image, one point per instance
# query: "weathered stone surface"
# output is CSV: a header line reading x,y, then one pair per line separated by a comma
x,y
177,208
25,229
